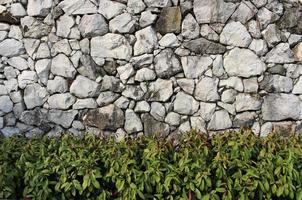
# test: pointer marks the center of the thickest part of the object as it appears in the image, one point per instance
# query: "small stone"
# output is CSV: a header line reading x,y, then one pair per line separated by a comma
x,y
219,121
61,101
244,120
190,27
106,118
198,124
158,3
272,35
6,105
166,64
280,54
83,87
161,90
277,107
63,118
133,123
206,110
206,89
106,98
245,11
146,41
84,103
17,10
195,66
158,111
43,51
18,63
204,46
232,82
111,83
110,46
61,46
185,104
298,86
265,17
141,61
228,96
123,23
254,29
34,27
93,25
10,131
173,119
246,65
62,66
31,46
184,127
250,85
142,107
145,74
57,85
34,95
207,32
11,48
235,34
110,9
154,127
247,102
122,102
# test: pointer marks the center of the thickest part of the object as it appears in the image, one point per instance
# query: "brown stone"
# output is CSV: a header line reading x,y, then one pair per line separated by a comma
x,y
298,52
7,17
169,20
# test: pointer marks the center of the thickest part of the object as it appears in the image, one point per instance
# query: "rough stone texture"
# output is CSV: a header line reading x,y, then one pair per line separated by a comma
x,y
149,67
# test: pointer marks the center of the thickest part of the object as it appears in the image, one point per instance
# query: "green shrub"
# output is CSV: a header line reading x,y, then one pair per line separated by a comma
x,y
225,166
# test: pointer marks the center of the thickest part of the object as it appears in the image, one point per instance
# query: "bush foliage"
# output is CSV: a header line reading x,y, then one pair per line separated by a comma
x,y
226,166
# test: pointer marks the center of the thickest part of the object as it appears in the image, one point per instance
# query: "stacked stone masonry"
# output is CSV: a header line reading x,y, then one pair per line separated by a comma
x,y
132,67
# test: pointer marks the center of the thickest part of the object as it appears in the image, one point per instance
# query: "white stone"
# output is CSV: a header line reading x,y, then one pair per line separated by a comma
x,y
39,8
83,87
206,89
147,18
190,27
250,85
172,119
42,68
57,85
18,63
195,66
106,98
160,90
110,9
61,101
43,51
122,102
158,111
123,23
245,11
64,24
247,102
185,104
232,82
27,77
133,123
206,110
245,65
166,64
93,25
17,10
158,3
78,7
220,120
298,86
146,41
169,40
125,72
63,118
34,95
62,66
136,6
111,46
31,45
85,103
198,124
11,48
187,85
259,47
61,46
6,105
235,34
142,107
145,74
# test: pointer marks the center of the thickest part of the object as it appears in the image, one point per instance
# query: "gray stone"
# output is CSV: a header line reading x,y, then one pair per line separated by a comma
x,y
169,40
43,51
166,64
158,111
61,101
34,95
32,117
83,87
111,46
280,54
61,46
42,68
133,92
140,61
154,127
106,118
125,72
146,41
232,82
265,17
136,6
198,124
172,119
64,25
158,3
78,7
145,74
169,20
122,102
276,83
250,85
17,10
106,98
6,105
142,107
298,52
272,35
298,86
259,47
10,131
123,23
247,102
245,11
277,107
112,83
11,48
147,18
31,45
212,11
185,104
93,25
219,121
110,9
207,32
246,65
244,120
228,107
161,90
254,29
133,123
84,103
62,66
63,118
206,89
27,77
195,66
57,85
204,46
88,67
235,34
34,28
190,27
185,127
38,8
187,85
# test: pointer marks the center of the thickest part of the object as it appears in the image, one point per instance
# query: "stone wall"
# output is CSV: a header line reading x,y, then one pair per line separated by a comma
x,y
128,67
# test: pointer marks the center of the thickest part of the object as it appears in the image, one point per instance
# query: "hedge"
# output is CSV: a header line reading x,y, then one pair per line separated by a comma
x,y
233,165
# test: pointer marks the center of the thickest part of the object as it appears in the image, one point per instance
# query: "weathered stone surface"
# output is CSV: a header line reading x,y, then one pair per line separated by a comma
x,y
34,28
244,120
212,11
158,111
195,66
133,92
62,66
106,98
169,20
185,104
6,105
157,3
203,46
291,19
85,103
190,27
27,77
112,83
166,64
11,48
133,123
153,127
259,47
276,83
110,9
63,118
206,89
93,25
64,24
78,7
160,90
232,82
111,46
235,34
146,41
147,18
42,68
34,95
106,118
172,119
142,107
123,23
245,11
38,8
136,6
57,85
32,117
247,102
272,35
83,87
298,52
245,65
61,101
17,10
277,107
169,40
145,74
219,121
280,54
